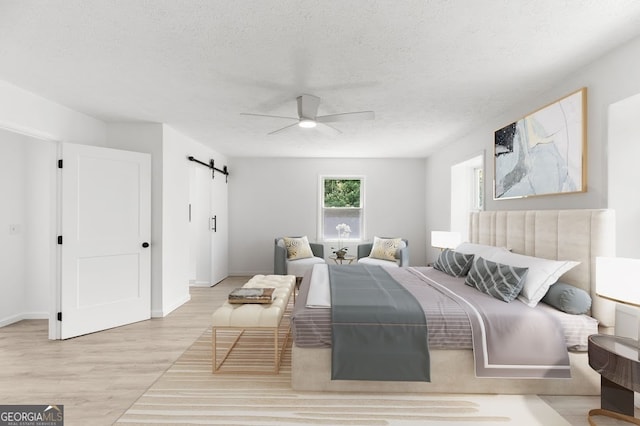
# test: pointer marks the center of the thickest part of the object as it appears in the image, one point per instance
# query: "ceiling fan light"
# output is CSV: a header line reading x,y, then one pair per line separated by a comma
x,y
307,123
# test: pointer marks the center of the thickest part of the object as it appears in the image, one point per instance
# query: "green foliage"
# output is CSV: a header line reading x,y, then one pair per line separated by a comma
x,y
342,193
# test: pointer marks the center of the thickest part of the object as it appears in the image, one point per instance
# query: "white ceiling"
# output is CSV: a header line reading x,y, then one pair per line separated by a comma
x,y
430,69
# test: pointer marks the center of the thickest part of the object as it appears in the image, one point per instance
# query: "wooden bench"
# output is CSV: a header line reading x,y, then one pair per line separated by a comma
x,y
254,316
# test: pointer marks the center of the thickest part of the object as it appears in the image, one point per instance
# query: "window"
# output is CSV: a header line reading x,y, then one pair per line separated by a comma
x,y
342,202
467,192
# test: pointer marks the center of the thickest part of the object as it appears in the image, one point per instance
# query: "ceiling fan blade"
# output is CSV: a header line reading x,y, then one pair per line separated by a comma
x,y
270,116
328,130
346,116
282,129
308,106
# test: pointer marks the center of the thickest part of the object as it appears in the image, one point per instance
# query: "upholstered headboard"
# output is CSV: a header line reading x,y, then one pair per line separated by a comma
x,y
579,235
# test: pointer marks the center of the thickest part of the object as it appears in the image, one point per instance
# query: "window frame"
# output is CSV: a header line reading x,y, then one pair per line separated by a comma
x,y
321,208
478,189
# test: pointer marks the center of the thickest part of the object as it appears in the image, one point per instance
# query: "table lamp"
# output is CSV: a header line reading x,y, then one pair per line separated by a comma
x,y
617,280
445,239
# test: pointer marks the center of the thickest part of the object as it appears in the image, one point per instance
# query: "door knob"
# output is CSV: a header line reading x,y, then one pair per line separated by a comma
x,y
145,244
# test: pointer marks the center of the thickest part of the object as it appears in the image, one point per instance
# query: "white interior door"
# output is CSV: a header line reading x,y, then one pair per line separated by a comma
x,y
220,228
106,228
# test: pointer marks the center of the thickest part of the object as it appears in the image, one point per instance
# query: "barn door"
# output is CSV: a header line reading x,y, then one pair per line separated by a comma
x,y
220,230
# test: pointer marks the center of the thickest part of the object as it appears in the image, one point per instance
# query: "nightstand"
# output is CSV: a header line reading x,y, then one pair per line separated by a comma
x,y
617,359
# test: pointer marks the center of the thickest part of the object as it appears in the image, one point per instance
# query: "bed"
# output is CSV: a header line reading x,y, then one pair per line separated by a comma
x,y
578,235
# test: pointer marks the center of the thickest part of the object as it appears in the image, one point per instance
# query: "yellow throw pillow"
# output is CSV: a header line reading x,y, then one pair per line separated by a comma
x,y
297,248
385,248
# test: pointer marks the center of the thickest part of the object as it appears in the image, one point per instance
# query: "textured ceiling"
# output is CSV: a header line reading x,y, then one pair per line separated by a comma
x,y
430,69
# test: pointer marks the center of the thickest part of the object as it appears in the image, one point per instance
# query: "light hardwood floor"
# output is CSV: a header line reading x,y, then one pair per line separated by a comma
x,y
97,377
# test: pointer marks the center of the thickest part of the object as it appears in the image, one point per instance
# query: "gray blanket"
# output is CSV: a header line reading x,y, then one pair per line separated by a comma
x,y
379,330
509,339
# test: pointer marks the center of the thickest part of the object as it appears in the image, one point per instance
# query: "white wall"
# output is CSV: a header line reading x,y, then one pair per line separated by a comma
x,y
609,79
624,151
27,227
40,227
24,112
270,197
12,246
175,225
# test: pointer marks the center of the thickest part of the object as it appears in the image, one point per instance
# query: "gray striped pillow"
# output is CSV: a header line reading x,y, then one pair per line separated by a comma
x,y
453,263
503,282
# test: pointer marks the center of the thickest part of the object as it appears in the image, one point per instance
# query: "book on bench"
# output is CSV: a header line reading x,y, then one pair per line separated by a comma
x,y
252,295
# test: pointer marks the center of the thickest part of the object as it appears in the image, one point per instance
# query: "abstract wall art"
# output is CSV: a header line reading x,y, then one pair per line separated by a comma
x,y
544,152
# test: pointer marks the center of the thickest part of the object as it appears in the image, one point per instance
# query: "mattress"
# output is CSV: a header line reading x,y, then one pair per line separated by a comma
x,y
448,324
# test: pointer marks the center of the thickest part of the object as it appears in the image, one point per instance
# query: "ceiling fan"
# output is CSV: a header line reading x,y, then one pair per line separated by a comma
x,y
308,115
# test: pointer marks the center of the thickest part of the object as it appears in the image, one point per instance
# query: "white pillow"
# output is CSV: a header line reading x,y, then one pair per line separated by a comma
x,y
542,273
481,250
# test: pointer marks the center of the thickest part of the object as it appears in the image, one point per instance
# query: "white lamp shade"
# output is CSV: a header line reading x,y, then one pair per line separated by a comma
x,y
445,239
617,279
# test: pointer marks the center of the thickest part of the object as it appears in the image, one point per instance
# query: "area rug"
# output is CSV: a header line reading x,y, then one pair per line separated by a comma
x,y
188,393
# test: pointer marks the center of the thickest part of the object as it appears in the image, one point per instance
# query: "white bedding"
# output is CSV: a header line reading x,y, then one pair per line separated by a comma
x,y
319,290
577,328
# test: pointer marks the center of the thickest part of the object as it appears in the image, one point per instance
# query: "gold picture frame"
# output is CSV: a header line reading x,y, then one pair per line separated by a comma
x,y
543,153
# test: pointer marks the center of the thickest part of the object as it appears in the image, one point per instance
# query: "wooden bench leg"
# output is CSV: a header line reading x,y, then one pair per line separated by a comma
x,y
213,350
216,366
276,360
284,345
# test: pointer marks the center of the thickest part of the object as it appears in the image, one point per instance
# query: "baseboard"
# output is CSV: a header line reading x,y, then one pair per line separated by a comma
x,y
36,315
23,316
168,309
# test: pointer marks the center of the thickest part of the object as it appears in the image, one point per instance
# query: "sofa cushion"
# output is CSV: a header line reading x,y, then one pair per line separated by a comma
x,y
300,266
297,247
380,262
385,248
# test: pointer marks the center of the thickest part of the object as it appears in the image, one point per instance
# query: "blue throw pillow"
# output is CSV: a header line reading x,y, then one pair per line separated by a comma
x,y
567,298
454,263
504,282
